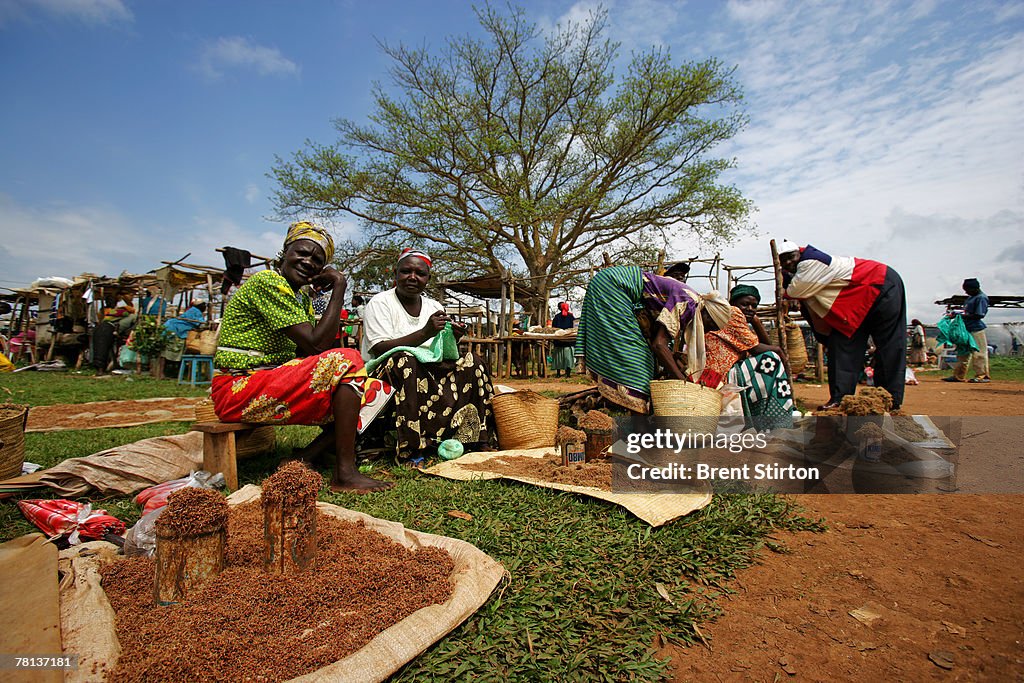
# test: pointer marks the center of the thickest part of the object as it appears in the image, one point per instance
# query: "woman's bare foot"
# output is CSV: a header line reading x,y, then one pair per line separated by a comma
x,y
359,483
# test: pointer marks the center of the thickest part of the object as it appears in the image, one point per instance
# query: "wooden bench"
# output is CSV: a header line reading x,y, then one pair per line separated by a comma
x,y
220,450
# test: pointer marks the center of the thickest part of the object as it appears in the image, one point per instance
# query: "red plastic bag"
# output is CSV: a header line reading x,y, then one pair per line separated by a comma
x,y
77,521
156,496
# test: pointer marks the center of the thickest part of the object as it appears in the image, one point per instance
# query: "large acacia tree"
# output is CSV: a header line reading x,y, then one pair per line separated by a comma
x,y
523,149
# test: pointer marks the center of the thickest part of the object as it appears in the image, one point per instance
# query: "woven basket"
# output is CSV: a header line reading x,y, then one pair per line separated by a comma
x,y
12,439
208,342
192,342
679,398
796,349
258,441
525,419
205,411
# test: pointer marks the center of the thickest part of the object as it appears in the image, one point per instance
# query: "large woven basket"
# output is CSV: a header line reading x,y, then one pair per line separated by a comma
x,y
525,419
259,440
679,398
796,349
13,417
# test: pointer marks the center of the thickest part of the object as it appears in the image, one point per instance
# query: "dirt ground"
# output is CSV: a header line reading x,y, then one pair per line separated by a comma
x,y
941,572
935,397
935,579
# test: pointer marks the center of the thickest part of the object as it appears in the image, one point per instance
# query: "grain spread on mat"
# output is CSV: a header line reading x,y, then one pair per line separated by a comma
x,y
596,475
249,625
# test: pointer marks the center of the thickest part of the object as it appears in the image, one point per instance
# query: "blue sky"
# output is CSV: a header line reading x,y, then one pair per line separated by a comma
x,y
135,132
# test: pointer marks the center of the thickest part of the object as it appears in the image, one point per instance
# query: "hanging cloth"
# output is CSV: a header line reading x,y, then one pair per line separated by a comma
x,y
235,262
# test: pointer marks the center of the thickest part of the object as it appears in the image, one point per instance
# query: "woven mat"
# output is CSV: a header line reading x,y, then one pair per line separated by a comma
x,y
654,508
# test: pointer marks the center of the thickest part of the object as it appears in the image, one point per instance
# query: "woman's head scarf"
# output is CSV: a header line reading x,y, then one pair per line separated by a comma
x,y
409,252
744,290
564,307
720,311
304,230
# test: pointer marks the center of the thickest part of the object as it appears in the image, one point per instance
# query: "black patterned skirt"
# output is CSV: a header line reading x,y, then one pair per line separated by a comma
x,y
438,401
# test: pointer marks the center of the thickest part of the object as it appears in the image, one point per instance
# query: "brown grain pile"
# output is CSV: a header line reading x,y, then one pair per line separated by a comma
x,y
249,625
566,434
870,430
595,420
596,475
868,401
909,429
294,484
192,512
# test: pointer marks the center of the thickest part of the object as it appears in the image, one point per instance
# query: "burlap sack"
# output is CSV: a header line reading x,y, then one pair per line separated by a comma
x,y
474,577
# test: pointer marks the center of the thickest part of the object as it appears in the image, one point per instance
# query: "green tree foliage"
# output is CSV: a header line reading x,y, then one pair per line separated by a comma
x,y
523,148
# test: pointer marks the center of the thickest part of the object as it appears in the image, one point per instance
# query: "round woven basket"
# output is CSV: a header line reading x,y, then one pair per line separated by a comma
x,y
796,349
13,418
205,411
259,440
679,398
525,419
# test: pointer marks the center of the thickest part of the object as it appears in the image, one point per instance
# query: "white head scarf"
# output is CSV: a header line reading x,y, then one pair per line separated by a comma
x,y
720,311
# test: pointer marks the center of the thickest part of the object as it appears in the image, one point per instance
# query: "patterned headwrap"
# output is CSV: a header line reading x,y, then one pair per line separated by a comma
x,y
304,230
409,251
720,311
744,290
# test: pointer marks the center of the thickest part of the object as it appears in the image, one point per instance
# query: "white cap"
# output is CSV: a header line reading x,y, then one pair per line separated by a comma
x,y
785,246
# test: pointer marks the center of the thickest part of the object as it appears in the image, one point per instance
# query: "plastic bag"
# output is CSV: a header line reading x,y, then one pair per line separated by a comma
x,y
79,522
953,332
141,538
156,496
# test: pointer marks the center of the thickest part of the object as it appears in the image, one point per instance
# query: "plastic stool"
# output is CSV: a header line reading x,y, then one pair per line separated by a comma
x,y
194,363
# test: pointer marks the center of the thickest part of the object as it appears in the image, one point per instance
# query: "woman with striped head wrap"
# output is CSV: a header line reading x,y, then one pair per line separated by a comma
x,y
277,365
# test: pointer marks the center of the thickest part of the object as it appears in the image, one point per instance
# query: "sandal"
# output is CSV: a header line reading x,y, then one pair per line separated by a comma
x,y
951,379
979,380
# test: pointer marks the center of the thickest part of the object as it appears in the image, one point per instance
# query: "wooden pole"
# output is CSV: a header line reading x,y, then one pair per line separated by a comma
x,y
209,298
819,363
780,311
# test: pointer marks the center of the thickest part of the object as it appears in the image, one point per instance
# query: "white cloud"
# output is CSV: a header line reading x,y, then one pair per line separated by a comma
x,y
753,11
889,132
88,11
252,193
236,52
64,240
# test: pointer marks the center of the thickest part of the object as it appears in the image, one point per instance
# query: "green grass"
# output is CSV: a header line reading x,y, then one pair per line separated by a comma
x,y
48,388
581,600
1006,368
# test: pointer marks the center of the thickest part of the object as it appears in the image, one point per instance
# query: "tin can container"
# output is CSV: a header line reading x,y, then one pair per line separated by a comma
x,y
598,443
573,453
871,449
